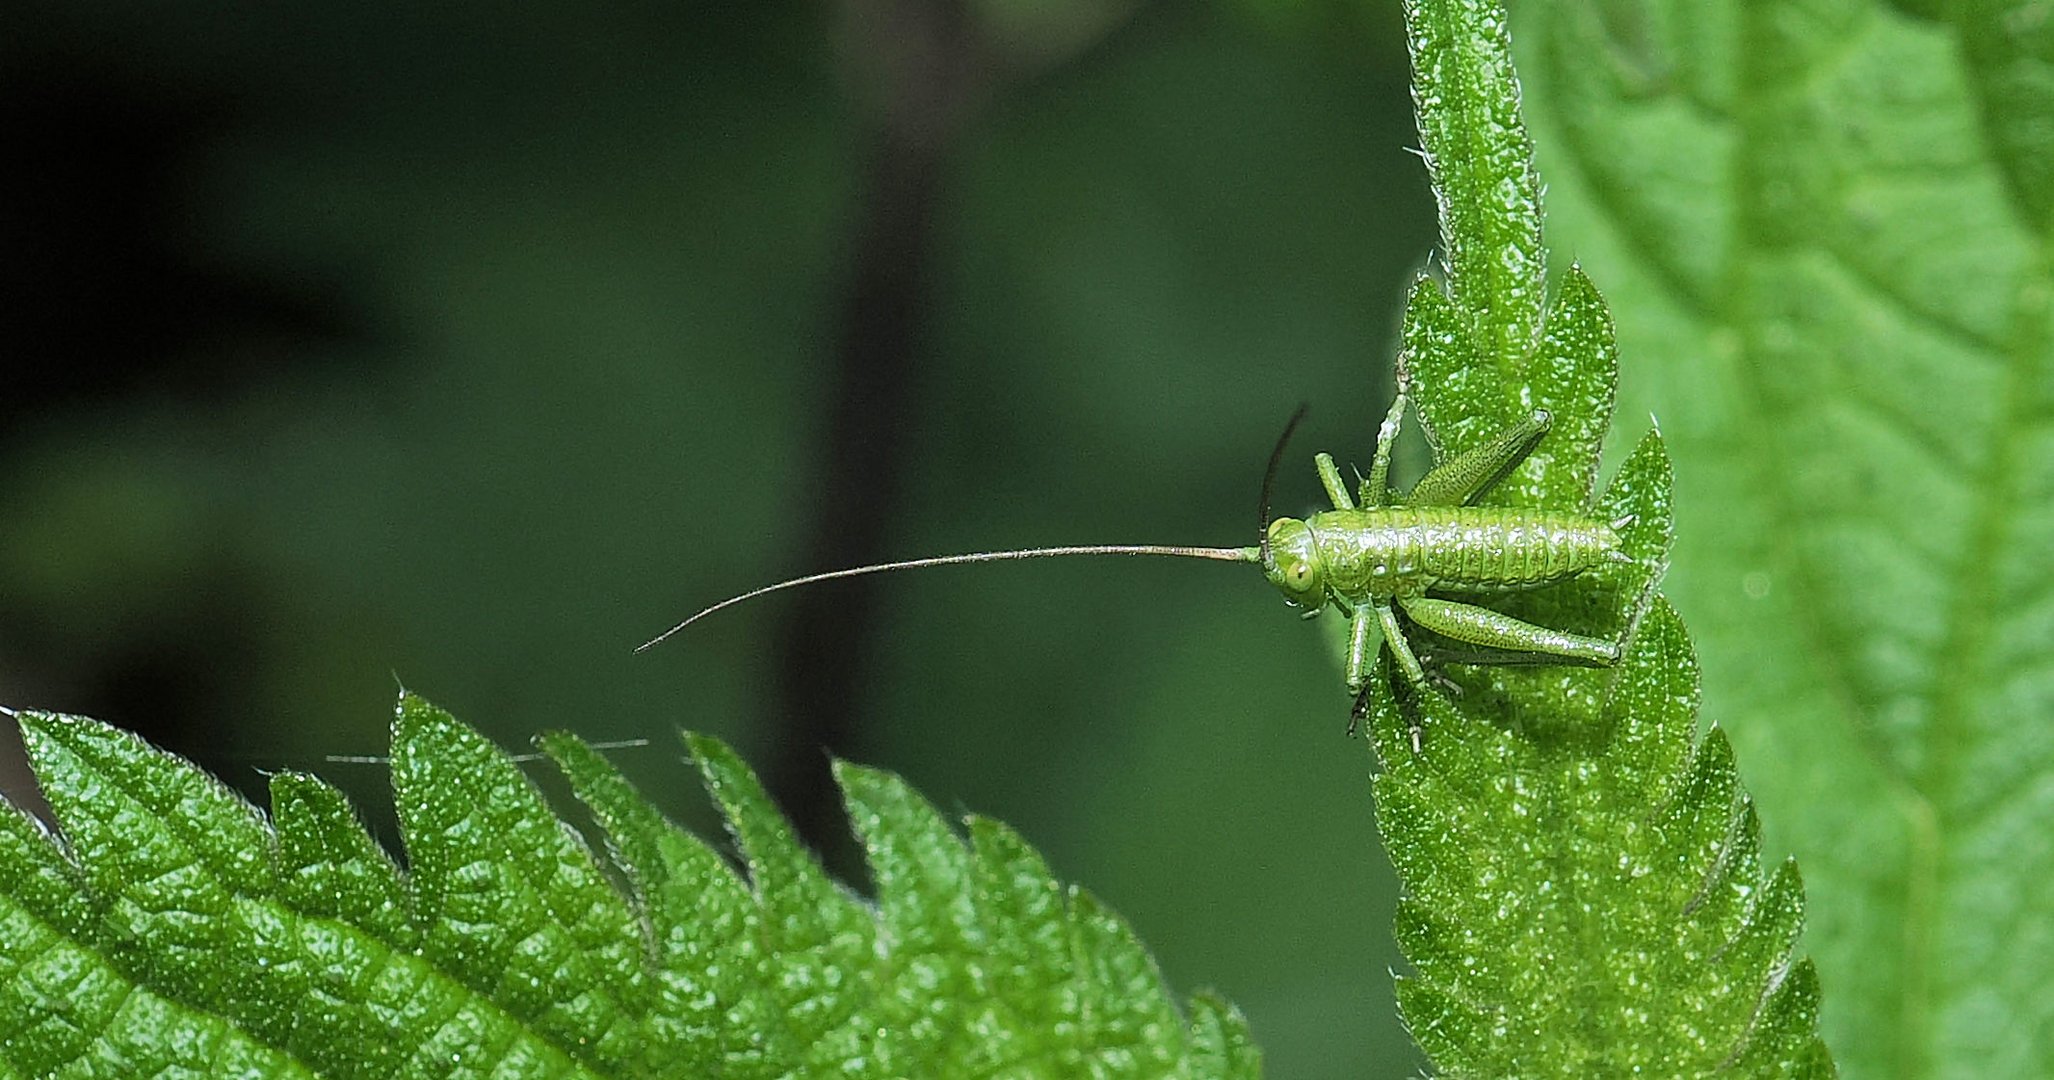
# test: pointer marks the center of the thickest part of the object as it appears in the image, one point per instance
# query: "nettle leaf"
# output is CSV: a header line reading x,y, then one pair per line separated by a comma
x,y
169,929
1827,228
1584,894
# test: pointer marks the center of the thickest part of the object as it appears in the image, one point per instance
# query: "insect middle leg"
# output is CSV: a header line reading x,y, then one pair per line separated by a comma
x,y
1359,658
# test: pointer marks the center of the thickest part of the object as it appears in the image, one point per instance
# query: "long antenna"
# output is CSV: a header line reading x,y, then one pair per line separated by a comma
x,y
1220,554
1269,477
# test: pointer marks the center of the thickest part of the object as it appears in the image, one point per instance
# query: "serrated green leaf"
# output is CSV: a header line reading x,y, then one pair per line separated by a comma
x,y
510,901
1584,892
329,867
702,926
174,931
1825,227
817,944
1481,164
1220,1044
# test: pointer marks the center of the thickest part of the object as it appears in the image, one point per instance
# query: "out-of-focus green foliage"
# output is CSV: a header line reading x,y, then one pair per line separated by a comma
x,y
1823,228
595,254
176,931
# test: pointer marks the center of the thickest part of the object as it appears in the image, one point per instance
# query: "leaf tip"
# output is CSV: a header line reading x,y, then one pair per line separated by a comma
x,y
558,744
724,772
707,750
414,715
419,726
291,786
48,734
860,782
1578,280
1789,871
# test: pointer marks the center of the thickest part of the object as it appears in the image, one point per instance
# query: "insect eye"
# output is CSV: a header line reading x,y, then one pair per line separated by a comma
x,y
1300,574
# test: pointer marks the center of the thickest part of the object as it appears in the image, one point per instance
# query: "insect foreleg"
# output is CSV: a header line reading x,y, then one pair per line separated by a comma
x,y
1330,478
1462,478
1376,491
1474,625
1361,646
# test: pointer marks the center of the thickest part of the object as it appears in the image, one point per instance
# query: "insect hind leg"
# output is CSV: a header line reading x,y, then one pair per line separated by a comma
x,y
1465,477
1472,625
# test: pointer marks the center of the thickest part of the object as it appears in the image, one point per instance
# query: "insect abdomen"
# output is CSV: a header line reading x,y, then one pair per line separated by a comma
x,y
1393,550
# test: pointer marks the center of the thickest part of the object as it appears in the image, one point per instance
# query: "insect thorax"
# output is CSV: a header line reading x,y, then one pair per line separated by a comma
x,y
1403,550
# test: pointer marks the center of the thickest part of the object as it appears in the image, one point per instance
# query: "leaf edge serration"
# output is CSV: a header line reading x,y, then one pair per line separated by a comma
x,y
682,991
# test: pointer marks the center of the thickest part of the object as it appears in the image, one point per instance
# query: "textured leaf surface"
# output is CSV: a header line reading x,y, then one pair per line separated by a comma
x,y
1584,893
174,931
1825,227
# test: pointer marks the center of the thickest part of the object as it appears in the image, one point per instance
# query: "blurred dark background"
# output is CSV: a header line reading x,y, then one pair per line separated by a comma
x,y
352,345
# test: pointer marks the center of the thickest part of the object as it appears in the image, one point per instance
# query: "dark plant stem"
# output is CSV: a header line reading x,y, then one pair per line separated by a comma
x,y
927,80
925,67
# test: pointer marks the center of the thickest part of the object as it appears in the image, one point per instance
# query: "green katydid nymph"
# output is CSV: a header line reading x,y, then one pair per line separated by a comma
x,y
1377,553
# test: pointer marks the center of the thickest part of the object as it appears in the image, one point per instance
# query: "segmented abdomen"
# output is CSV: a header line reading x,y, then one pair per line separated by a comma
x,y
1384,552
